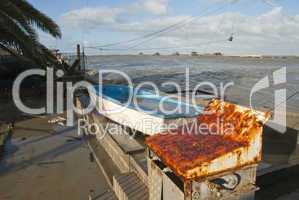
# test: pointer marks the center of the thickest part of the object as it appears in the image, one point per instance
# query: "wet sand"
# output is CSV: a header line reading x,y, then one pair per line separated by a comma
x,y
43,161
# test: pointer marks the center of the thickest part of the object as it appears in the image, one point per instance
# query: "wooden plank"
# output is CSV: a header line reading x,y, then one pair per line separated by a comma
x,y
128,186
140,158
108,195
120,159
124,140
138,168
100,165
125,161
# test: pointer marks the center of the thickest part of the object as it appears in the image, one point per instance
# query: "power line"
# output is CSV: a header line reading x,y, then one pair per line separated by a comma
x,y
165,48
138,38
152,35
150,39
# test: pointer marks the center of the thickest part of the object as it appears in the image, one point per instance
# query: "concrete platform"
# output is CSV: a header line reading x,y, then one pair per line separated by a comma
x,y
49,166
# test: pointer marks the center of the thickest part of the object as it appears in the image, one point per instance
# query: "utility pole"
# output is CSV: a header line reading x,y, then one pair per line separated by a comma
x,y
83,60
79,56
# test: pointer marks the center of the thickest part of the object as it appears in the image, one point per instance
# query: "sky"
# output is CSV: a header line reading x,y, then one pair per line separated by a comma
x,y
268,27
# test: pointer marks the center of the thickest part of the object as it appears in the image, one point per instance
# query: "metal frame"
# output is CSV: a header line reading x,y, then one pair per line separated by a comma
x,y
163,184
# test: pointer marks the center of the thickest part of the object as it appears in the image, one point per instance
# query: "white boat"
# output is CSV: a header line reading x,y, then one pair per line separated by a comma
x,y
143,110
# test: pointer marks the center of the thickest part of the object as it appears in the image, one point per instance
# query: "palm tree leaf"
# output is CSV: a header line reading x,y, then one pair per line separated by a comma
x,y
11,34
37,18
12,11
8,25
17,21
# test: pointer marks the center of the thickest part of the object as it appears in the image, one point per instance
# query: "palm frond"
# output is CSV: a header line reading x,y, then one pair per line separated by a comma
x,y
12,35
10,10
18,20
37,18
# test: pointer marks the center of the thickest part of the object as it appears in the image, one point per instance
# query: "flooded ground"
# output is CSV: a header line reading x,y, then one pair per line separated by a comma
x,y
44,161
243,72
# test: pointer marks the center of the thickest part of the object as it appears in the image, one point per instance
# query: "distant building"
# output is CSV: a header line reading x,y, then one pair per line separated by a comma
x,y
251,56
267,56
218,54
194,53
176,54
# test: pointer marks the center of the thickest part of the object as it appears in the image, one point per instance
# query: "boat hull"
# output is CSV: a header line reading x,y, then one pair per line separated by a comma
x,y
137,120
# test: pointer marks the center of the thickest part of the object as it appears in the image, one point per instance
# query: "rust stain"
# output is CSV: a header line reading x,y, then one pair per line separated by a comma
x,y
184,151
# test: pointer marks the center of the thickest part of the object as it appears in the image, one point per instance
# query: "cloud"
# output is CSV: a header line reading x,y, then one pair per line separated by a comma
x,y
270,2
150,25
270,24
154,7
96,16
224,1
158,7
263,32
270,32
91,17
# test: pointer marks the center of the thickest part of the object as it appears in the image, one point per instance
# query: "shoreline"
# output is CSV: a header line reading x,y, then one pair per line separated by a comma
x,y
266,57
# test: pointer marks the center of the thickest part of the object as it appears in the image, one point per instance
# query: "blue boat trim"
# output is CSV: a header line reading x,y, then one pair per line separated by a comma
x,y
119,94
